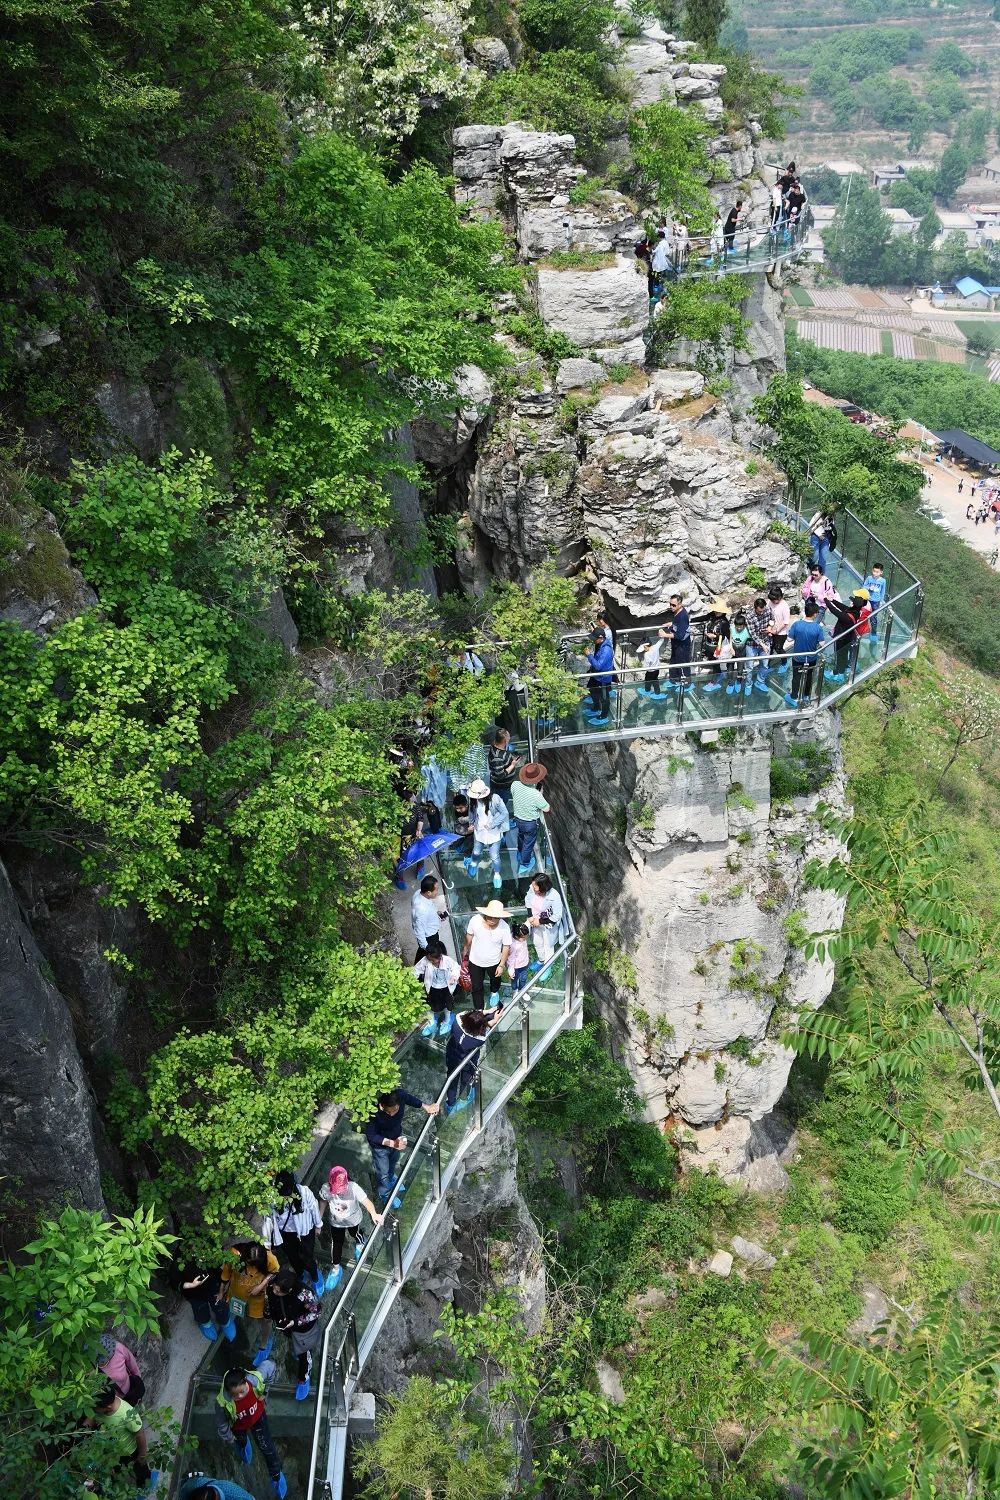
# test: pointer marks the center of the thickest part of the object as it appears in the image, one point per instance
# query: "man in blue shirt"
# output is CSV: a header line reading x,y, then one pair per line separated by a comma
x,y
678,633
601,662
806,637
384,1133
876,585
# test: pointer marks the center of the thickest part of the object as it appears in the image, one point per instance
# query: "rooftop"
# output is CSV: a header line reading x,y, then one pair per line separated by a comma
x,y
845,168
955,219
968,286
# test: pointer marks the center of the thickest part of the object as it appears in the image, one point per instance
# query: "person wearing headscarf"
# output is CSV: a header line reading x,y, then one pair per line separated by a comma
x,y
343,1200
118,1365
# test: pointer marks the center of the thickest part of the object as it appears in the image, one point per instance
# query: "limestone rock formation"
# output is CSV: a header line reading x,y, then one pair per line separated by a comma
x,y
676,854
452,1266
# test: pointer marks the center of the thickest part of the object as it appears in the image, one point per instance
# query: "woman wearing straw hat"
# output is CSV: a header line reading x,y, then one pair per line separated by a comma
x,y
487,944
527,805
718,647
489,820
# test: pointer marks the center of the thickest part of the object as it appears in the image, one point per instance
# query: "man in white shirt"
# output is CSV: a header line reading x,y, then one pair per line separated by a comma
x,y
660,259
425,914
487,944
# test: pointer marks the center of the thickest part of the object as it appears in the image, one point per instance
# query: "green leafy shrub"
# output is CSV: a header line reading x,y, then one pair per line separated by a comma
x,y
564,91
564,25
803,771
870,1197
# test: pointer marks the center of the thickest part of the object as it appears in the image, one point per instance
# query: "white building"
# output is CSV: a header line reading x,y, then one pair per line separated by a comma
x,y
886,175
956,222
845,168
903,223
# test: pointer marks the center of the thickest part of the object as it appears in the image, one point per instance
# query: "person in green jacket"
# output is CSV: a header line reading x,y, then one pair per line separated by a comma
x,y
242,1402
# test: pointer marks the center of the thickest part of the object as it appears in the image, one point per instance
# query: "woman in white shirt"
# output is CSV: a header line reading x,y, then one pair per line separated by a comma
x,y
545,905
293,1224
343,1200
486,949
440,973
489,821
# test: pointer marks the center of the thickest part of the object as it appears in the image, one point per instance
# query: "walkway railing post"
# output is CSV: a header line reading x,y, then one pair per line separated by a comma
x,y
396,1249
353,1357
525,1034
436,1167
478,1086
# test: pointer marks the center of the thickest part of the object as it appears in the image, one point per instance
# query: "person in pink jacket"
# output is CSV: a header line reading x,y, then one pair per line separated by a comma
x,y
817,586
118,1365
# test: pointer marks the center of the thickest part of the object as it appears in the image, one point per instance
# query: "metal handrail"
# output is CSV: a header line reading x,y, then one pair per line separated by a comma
x,y
565,949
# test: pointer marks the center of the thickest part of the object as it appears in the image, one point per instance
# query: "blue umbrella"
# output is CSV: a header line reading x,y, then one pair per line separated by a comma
x,y
421,849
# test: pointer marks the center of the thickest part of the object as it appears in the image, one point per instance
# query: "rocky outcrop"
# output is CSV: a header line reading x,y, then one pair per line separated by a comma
x,y
50,1145
654,503
483,1234
694,884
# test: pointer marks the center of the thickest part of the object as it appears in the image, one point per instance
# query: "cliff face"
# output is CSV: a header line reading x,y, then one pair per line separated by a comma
x,y
691,882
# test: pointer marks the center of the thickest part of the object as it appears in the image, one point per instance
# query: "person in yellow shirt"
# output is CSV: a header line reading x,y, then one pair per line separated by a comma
x,y
245,1279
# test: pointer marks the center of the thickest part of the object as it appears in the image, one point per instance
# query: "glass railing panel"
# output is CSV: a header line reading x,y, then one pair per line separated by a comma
x,y
419,1180
501,1057
367,1286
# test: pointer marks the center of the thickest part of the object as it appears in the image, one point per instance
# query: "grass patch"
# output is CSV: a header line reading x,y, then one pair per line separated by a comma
x,y
578,260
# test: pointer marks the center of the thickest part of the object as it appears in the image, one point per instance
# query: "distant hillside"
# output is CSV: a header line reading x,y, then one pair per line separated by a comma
x,y
882,78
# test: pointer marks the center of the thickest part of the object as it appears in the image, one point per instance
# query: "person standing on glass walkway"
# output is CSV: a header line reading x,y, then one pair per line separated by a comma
x,y
295,1310
527,805
804,639
545,905
440,974
242,1403
292,1225
467,1037
490,820
343,1200
601,661
486,949
386,1138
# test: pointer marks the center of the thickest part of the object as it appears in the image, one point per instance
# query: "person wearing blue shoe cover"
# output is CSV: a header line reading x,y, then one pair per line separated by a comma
x,y
527,806
343,1200
467,1037
242,1419
292,1226
295,1310
385,1136
440,974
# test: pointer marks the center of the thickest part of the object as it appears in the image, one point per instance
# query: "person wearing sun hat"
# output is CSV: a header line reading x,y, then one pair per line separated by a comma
x,y
487,945
716,641
489,821
527,805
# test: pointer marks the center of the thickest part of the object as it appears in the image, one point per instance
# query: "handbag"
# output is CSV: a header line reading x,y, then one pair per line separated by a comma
x,y
464,977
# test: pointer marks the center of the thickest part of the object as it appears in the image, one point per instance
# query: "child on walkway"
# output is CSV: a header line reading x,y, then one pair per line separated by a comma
x,y
243,1417
518,959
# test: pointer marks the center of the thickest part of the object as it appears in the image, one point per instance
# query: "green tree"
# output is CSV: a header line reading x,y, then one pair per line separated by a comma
x,y
703,20
952,170
560,25
568,91
857,238
434,1442
671,162
914,1416
917,200
708,313
80,1276
949,58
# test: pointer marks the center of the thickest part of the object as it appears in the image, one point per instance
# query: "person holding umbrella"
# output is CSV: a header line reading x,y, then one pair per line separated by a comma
x,y
527,805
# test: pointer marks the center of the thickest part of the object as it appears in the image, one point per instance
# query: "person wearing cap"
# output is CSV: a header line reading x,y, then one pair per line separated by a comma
x,y
386,1139
490,820
486,948
852,625
440,974
118,1364
343,1200
292,1225
527,805
718,647
601,662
